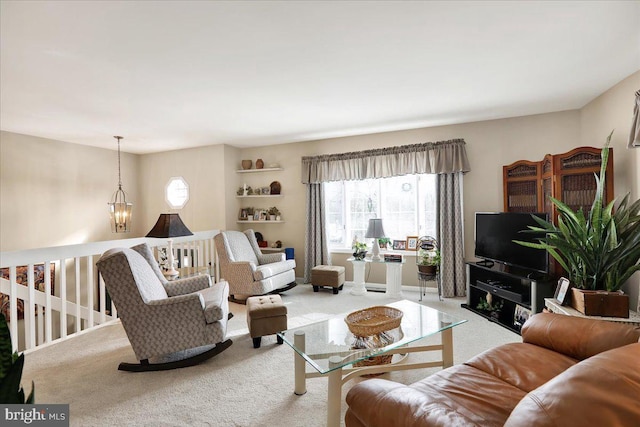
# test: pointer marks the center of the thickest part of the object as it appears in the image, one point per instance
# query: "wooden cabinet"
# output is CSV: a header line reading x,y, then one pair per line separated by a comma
x,y
568,177
522,187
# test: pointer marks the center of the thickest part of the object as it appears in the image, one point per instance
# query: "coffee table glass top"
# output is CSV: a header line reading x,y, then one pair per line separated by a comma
x,y
332,337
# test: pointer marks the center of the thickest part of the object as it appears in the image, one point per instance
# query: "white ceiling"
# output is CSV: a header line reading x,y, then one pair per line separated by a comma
x,y
169,75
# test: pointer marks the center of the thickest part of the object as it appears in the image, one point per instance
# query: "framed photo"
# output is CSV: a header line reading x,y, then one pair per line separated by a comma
x,y
256,215
399,245
412,243
562,290
242,215
520,315
266,191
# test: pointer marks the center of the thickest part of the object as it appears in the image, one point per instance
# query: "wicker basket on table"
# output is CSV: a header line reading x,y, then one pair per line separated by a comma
x,y
369,327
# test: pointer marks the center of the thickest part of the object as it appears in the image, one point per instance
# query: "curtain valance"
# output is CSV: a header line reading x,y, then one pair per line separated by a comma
x,y
429,157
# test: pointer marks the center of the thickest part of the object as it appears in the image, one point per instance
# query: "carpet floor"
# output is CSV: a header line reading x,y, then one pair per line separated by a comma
x,y
242,386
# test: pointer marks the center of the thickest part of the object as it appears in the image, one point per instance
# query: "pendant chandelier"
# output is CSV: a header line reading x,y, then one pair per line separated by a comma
x,y
119,208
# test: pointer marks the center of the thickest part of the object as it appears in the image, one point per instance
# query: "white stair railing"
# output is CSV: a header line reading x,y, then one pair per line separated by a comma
x,y
61,291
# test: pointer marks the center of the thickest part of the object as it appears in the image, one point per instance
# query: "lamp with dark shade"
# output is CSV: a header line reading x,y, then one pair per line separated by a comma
x,y
168,226
375,231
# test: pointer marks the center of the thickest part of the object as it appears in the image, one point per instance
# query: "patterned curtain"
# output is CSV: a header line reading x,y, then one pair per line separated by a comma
x,y
316,247
452,268
429,157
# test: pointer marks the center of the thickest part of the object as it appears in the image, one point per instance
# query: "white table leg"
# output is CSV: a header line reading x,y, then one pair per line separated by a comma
x,y
334,393
358,278
447,347
394,279
299,364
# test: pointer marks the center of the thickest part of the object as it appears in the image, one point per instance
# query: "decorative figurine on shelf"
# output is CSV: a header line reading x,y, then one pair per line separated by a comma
x,y
245,192
487,304
259,164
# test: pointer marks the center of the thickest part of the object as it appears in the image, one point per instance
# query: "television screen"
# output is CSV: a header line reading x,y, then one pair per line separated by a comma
x,y
495,233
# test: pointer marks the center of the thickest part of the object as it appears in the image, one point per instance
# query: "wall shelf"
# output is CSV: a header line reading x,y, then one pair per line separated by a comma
x,y
259,170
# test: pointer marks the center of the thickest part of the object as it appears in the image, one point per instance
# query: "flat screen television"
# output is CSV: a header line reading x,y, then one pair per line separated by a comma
x,y
495,233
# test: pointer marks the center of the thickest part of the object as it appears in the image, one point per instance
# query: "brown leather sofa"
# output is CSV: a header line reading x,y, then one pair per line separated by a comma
x,y
568,371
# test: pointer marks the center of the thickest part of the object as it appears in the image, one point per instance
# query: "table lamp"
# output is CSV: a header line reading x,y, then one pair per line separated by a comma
x,y
375,231
168,226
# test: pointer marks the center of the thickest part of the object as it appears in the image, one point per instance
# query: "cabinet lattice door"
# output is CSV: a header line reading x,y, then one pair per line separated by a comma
x,y
568,177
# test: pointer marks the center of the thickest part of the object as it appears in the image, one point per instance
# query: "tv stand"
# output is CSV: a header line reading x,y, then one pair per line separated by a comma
x,y
486,263
510,289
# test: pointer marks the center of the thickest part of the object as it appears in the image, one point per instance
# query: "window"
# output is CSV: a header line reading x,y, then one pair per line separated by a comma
x,y
406,204
177,192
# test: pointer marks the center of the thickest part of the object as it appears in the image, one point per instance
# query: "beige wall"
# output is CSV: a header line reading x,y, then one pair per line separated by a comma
x,y
55,193
60,195
490,145
202,168
613,110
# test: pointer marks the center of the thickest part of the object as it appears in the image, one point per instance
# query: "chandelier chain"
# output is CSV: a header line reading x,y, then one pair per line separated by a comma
x,y
119,177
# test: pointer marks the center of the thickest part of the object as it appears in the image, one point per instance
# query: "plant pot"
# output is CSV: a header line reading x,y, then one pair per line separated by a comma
x,y
272,217
360,255
428,269
600,303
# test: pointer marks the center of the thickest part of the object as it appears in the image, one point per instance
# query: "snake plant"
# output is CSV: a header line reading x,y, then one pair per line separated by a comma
x,y
599,251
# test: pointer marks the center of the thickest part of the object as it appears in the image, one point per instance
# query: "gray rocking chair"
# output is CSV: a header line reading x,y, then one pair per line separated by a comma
x,y
176,324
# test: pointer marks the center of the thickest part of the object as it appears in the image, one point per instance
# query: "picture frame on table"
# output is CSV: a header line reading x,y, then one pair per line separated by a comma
x,y
562,290
412,243
399,245
520,316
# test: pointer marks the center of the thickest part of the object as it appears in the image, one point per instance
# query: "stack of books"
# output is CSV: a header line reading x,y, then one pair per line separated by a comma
x,y
392,258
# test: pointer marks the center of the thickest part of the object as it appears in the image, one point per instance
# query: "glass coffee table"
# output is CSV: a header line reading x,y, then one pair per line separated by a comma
x,y
328,346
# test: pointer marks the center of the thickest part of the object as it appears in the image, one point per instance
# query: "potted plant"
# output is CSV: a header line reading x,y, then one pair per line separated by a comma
x,y
599,252
359,250
273,213
428,261
383,242
487,304
11,370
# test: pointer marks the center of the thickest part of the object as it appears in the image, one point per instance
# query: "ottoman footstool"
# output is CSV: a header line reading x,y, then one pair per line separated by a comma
x,y
327,275
266,315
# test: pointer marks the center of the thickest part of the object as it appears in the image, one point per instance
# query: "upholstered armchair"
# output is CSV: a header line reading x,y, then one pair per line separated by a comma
x,y
249,271
172,323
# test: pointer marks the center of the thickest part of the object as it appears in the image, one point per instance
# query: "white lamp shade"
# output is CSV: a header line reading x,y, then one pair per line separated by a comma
x,y
375,229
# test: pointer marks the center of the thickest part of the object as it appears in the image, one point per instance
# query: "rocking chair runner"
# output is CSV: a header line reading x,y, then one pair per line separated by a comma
x,y
179,323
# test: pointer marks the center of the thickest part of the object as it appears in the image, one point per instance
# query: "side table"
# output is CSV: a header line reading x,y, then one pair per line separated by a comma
x,y
394,277
553,306
358,275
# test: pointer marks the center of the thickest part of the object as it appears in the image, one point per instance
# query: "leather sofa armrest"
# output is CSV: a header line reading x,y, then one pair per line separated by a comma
x,y
371,404
577,337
